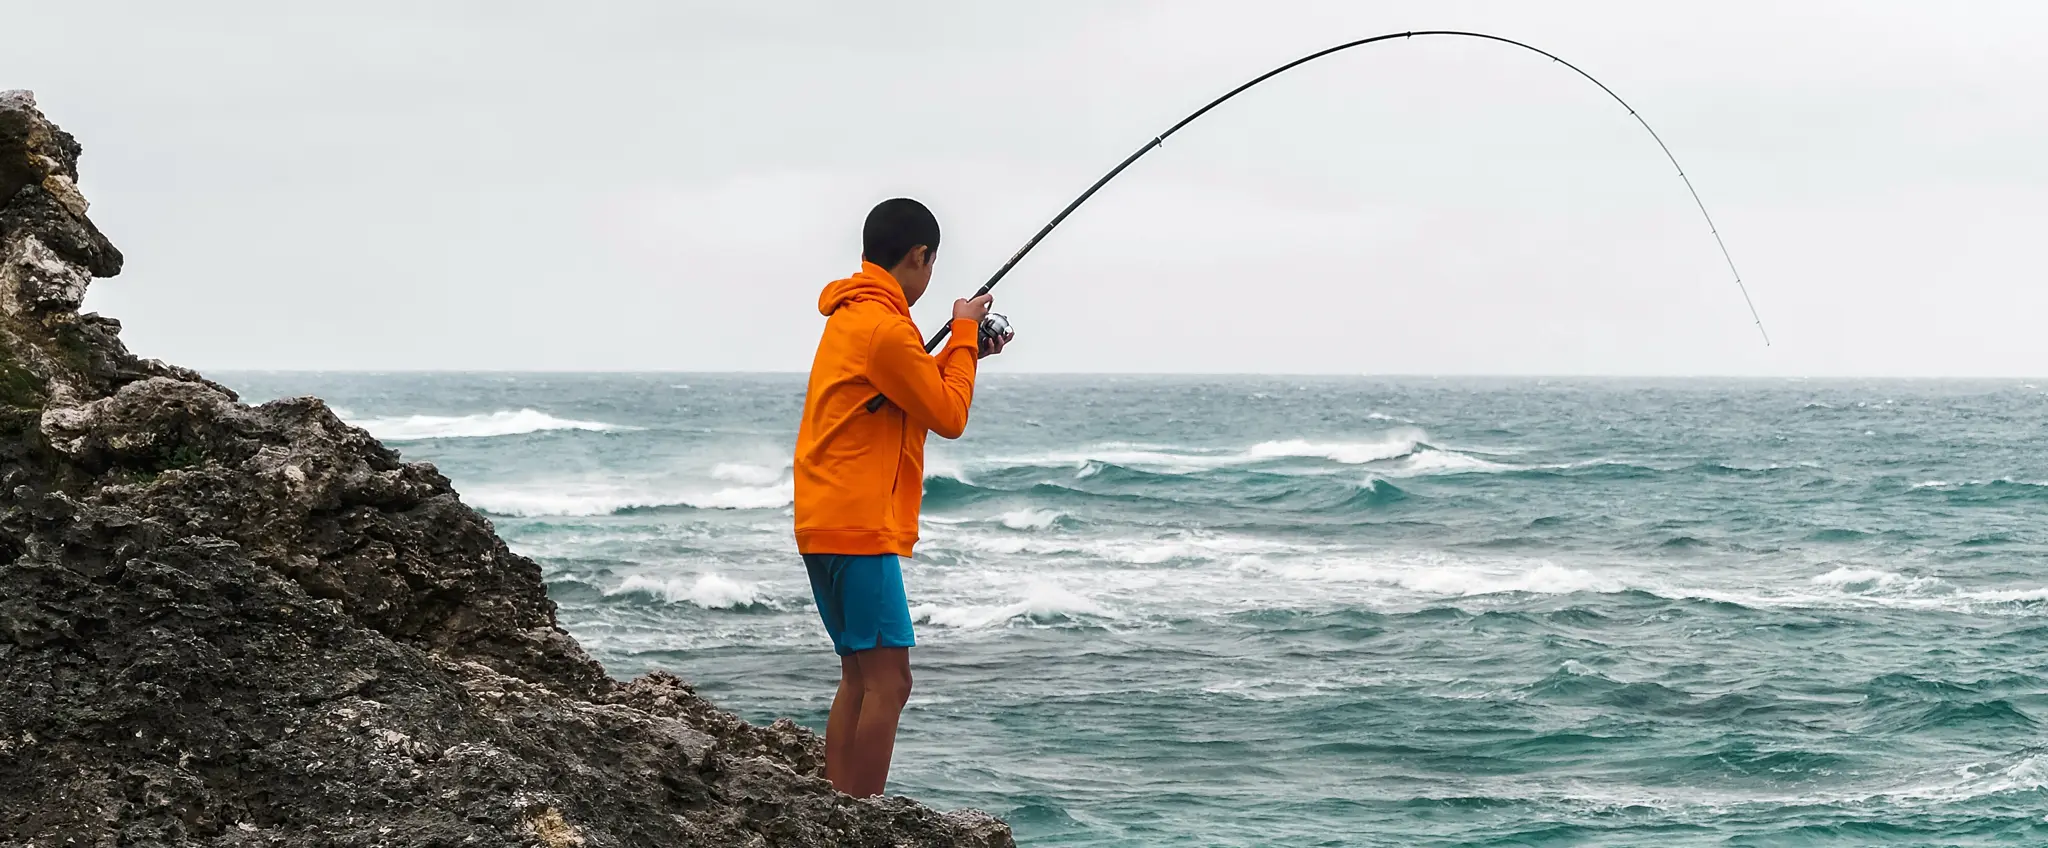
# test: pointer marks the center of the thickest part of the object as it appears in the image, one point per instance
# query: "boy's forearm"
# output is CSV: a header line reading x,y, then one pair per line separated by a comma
x,y
934,392
958,365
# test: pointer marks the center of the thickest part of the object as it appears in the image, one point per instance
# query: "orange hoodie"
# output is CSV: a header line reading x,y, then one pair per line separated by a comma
x,y
860,474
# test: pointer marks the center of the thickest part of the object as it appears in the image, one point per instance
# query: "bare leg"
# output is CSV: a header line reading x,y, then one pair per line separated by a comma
x,y
885,686
840,728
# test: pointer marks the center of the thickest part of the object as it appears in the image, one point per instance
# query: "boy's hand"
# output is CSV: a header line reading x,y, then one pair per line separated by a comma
x,y
991,347
973,310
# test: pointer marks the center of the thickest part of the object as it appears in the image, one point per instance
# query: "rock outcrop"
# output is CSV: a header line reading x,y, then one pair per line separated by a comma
x,y
233,625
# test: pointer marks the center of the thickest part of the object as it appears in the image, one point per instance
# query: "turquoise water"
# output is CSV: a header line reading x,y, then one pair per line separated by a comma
x,y
1320,611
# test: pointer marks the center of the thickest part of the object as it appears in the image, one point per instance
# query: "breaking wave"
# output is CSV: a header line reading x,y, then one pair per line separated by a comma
x,y
1042,602
577,499
709,591
409,428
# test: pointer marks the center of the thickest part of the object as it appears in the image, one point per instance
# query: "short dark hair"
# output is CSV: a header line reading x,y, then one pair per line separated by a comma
x,y
894,227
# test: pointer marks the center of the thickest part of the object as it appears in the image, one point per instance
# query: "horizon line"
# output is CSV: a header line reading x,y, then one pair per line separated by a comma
x,y
1271,374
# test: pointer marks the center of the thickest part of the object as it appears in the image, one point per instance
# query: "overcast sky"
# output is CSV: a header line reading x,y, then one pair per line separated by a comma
x,y
666,186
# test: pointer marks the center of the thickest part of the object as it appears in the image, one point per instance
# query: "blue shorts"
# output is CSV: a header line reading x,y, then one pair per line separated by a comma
x,y
861,600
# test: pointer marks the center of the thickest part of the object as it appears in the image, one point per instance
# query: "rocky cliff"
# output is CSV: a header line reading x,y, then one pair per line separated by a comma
x,y
232,625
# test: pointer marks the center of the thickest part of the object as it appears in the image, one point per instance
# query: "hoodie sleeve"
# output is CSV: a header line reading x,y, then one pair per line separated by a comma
x,y
933,391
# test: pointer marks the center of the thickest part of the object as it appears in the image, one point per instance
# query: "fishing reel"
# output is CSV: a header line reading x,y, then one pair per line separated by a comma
x,y
995,330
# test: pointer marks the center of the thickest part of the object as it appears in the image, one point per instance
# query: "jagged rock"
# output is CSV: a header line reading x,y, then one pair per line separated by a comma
x,y
239,626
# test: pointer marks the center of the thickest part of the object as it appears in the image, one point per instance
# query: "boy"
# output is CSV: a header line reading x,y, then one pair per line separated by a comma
x,y
860,473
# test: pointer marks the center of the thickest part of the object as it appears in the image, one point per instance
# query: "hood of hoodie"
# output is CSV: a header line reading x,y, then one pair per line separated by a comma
x,y
873,284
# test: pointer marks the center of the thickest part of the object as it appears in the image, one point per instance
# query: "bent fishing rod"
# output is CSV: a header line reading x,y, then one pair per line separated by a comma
x,y
1160,139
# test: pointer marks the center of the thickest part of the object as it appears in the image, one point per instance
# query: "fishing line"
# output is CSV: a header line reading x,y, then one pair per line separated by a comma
x,y
1161,138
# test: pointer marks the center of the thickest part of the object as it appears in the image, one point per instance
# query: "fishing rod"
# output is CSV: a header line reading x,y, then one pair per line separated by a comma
x,y
1160,139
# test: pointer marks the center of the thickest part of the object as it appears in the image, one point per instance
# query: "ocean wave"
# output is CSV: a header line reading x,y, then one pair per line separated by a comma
x,y
1218,573
1432,461
943,493
1151,472
1127,551
752,475
2021,772
1395,445
1594,469
1174,459
2025,771
410,428
943,466
1099,486
710,590
1435,577
1996,716
1575,682
1852,587
1880,584
1042,602
1289,688
579,499
1994,491
1373,493
1728,469
1859,580
1031,519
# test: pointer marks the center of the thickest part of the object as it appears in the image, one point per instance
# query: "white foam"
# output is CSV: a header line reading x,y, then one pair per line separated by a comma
x,y
1194,571
1042,600
484,425
752,475
746,497
1544,579
1434,577
939,464
1429,462
1167,461
2026,773
1154,553
1115,550
1285,688
1030,519
1850,587
1858,579
2001,481
710,590
535,502
575,498
1184,460
2006,596
1890,588
1397,444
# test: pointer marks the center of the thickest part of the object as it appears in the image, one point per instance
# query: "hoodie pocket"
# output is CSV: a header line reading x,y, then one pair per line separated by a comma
x,y
896,477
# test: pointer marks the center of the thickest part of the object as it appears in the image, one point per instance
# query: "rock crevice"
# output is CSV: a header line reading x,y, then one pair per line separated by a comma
x,y
224,624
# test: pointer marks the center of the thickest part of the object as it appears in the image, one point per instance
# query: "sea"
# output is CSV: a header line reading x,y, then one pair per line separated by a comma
x,y
1336,611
